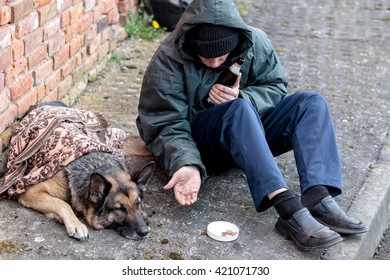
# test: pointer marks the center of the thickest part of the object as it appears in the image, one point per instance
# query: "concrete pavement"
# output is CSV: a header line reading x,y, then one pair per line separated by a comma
x,y
339,48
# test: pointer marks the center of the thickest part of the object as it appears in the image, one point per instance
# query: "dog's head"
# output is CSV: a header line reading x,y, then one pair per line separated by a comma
x,y
115,201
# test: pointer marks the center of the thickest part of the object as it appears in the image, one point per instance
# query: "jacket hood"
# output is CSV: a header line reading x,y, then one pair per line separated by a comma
x,y
218,12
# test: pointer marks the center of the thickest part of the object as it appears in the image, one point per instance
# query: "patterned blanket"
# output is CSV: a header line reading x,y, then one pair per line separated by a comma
x,y
49,138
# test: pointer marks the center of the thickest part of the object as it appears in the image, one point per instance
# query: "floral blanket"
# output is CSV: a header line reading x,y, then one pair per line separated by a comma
x,y
49,138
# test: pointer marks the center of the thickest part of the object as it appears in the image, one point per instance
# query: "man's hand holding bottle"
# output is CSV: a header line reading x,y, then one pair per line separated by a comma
x,y
220,93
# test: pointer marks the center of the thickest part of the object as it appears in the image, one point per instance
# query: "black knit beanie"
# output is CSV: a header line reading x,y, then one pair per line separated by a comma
x,y
209,40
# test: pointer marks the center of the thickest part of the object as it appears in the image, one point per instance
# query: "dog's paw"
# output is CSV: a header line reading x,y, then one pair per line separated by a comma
x,y
79,231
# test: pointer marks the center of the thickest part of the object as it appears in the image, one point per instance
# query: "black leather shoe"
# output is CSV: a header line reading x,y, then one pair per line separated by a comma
x,y
306,232
329,213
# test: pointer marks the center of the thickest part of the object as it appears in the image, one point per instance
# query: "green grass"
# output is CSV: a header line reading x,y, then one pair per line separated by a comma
x,y
142,25
115,57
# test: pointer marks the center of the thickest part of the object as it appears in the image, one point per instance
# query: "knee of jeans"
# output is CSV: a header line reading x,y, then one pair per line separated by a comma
x,y
309,94
241,111
313,98
241,104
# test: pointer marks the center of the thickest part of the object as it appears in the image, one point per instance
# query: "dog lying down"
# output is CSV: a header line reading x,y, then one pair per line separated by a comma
x,y
64,160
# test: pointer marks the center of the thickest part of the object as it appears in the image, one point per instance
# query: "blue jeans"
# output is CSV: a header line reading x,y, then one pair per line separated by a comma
x,y
233,135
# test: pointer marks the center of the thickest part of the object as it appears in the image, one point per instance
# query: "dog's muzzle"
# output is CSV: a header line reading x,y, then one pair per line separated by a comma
x,y
133,234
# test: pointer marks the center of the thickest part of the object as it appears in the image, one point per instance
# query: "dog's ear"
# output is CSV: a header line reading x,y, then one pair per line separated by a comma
x,y
143,175
98,189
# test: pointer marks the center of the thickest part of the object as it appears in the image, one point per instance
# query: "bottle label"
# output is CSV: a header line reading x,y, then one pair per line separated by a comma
x,y
235,68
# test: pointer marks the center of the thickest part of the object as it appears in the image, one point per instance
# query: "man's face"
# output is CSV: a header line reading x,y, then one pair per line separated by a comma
x,y
213,62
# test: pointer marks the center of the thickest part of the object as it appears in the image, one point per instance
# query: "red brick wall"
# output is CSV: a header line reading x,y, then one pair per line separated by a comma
x,y
48,47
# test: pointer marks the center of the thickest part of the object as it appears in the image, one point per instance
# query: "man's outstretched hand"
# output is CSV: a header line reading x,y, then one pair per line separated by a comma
x,y
186,184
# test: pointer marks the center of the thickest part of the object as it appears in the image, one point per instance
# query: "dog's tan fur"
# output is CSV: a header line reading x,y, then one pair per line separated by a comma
x,y
55,198
51,198
135,146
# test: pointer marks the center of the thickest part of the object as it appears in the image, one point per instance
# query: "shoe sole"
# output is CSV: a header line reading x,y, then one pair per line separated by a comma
x,y
288,236
344,230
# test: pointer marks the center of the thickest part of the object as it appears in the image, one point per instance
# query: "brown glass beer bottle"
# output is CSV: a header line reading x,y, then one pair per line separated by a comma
x,y
229,75
227,78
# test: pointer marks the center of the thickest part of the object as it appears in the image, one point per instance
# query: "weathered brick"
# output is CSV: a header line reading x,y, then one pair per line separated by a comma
x,y
47,12
17,49
51,28
107,34
17,68
6,58
89,63
20,87
86,21
113,44
123,19
94,44
76,45
64,87
27,25
43,71
134,3
81,55
102,23
99,10
26,101
61,57
5,100
5,14
20,8
75,13
76,90
38,55
78,75
8,117
66,100
42,2
65,20
5,37
119,33
68,67
103,50
110,4
2,82
56,43
113,16
33,40
53,80
126,5
72,31
89,4
64,4
90,34
50,96
41,91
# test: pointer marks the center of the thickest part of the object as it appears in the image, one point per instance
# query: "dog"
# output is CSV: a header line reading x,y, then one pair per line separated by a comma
x,y
96,185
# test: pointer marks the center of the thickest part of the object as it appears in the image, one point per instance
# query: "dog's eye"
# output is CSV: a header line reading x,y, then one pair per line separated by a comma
x,y
138,201
119,207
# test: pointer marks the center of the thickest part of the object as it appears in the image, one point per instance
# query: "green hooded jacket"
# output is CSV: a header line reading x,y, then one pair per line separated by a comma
x,y
176,82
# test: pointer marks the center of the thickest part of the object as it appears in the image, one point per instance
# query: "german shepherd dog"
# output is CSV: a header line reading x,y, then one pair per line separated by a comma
x,y
98,186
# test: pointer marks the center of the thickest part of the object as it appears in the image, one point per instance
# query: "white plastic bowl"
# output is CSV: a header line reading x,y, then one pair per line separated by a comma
x,y
223,231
